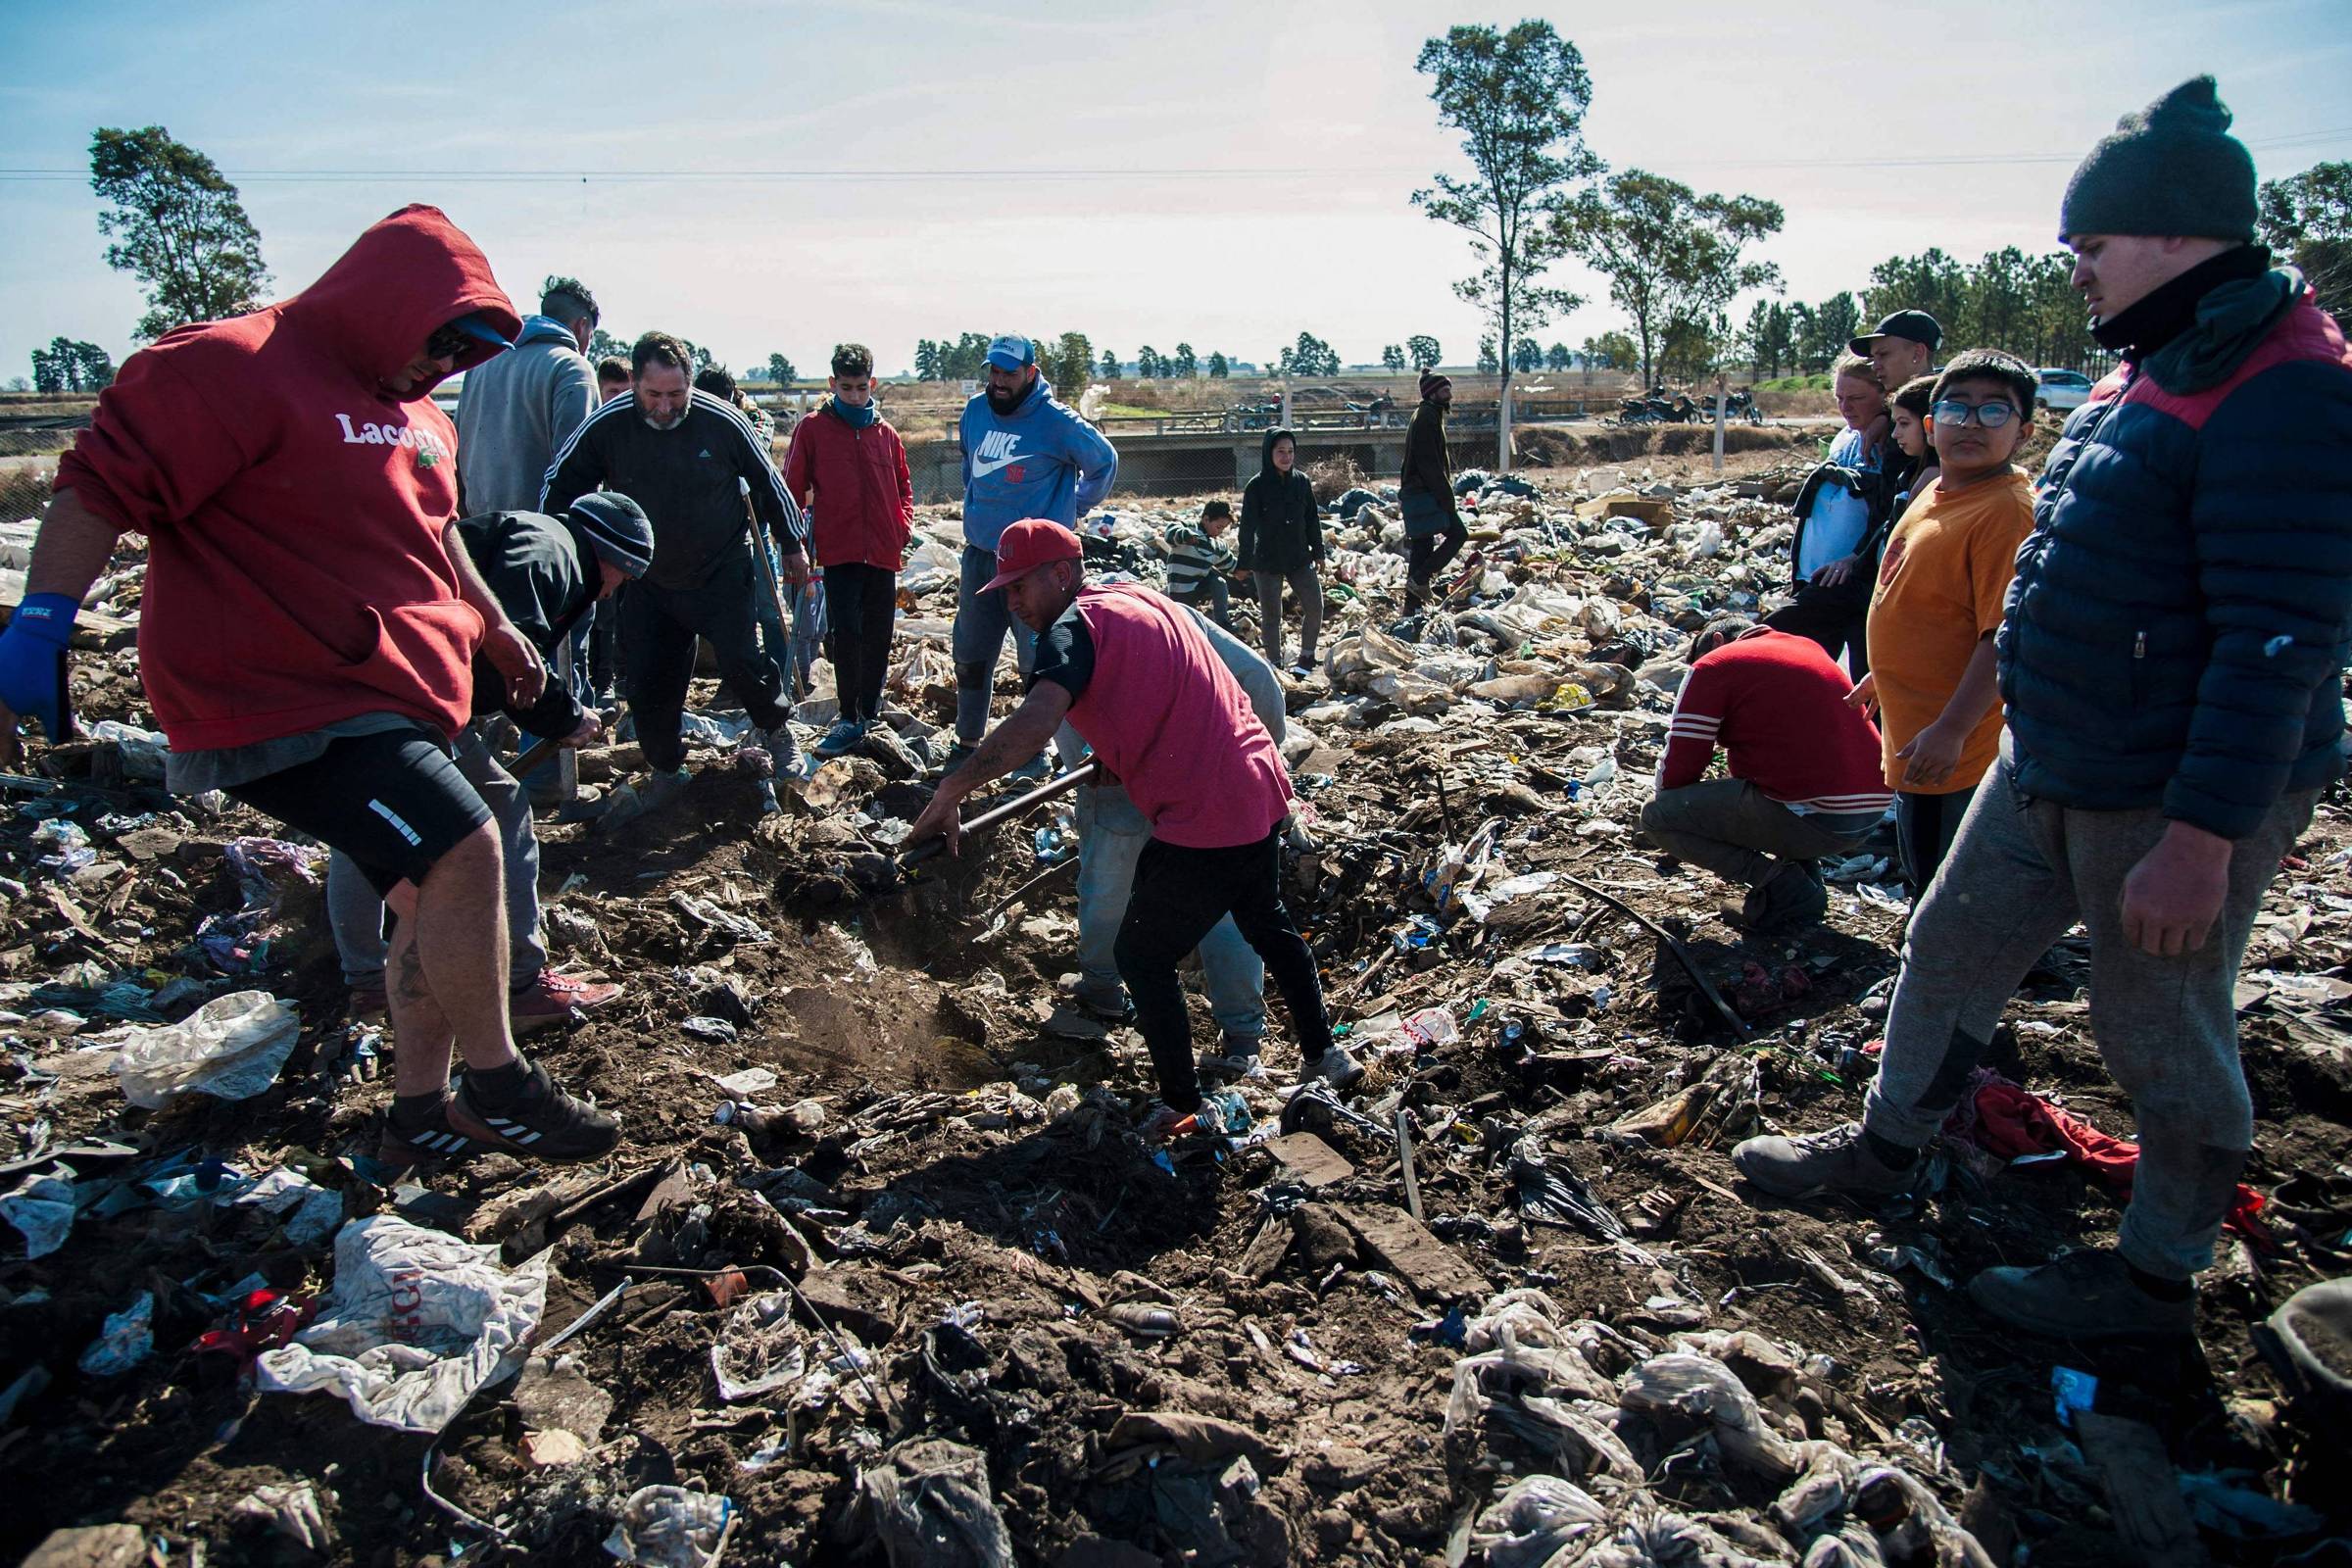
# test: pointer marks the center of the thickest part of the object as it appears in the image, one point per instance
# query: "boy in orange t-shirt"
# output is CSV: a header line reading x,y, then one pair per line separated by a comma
x,y
1942,582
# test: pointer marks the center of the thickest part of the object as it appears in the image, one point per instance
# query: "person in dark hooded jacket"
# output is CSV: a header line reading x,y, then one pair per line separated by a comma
x,y
310,628
1282,541
1433,517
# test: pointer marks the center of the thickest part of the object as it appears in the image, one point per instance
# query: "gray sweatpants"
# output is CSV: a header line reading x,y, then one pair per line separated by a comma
x,y
355,910
1741,834
2020,874
1307,589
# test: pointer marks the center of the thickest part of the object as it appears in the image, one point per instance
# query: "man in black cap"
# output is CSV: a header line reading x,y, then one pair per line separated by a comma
x,y
547,575
1900,348
2170,657
1433,517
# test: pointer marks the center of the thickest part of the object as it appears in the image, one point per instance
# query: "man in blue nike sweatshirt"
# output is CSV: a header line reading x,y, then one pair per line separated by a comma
x,y
1025,455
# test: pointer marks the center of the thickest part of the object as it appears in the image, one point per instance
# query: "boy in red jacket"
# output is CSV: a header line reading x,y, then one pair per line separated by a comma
x,y
848,469
310,628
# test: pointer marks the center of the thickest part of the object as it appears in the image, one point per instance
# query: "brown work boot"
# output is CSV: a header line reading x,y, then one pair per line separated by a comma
x,y
2086,1295
554,998
1839,1161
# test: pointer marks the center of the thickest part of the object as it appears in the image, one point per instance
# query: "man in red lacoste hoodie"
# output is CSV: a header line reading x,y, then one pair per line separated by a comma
x,y
310,624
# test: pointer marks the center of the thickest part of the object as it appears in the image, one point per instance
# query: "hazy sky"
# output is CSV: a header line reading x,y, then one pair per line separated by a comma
x,y
767,175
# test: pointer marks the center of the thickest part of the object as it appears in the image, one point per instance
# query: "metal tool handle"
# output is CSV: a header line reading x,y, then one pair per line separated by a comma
x,y
1016,807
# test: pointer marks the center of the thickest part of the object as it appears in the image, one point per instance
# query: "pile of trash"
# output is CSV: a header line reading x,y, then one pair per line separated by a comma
x,y
882,1268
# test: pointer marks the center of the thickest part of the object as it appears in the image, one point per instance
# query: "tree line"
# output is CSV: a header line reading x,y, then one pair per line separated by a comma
x,y
1674,259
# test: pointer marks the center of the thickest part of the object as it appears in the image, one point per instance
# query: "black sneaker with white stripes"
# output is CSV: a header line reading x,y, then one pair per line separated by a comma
x,y
542,1122
434,1140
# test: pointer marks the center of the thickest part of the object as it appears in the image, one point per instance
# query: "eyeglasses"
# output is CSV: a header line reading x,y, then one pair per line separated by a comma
x,y
1952,413
446,343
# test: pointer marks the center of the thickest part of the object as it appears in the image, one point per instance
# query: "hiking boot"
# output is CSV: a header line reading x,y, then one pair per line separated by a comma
x,y
1335,1068
2086,1295
368,1003
554,998
1791,896
542,1122
1835,1161
842,736
438,1139
958,755
1118,1011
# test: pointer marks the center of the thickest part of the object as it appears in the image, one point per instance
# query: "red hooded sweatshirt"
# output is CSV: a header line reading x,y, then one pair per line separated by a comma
x,y
293,507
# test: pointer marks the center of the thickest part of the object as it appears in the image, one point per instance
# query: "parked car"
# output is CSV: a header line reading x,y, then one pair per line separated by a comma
x,y
2063,390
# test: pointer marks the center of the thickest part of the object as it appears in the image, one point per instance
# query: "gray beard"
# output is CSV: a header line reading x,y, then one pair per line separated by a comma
x,y
670,424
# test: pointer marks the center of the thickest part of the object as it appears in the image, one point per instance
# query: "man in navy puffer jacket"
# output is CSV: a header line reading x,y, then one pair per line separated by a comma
x,y
2171,660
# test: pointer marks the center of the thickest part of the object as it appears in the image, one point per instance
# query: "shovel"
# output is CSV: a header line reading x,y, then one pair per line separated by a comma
x,y
1019,805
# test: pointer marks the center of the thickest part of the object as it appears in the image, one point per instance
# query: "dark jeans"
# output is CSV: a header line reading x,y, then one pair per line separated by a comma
x,y
1837,618
658,626
1180,895
861,603
1924,826
1431,554
1213,598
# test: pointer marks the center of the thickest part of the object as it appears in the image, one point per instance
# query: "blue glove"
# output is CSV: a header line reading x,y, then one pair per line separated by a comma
x,y
32,659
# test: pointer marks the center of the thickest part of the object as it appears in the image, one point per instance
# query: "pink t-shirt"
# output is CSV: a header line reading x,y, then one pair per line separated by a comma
x,y
1167,718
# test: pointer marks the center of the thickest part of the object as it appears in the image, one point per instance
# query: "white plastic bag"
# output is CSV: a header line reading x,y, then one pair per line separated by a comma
x,y
416,1321
231,1047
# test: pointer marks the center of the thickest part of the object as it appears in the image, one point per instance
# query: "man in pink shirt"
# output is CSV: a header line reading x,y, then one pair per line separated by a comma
x,y
1133,674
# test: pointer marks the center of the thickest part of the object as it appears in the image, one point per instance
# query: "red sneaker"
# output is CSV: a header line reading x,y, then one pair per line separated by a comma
x,y
553,999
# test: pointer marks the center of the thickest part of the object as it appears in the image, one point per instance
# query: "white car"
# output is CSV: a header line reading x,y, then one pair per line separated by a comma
x,y
2064,390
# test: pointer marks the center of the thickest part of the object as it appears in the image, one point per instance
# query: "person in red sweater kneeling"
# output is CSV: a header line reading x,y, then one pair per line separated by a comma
x,y
1804,769
310,628
1136,678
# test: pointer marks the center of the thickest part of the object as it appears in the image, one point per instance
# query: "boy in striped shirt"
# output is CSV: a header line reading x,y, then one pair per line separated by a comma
x,y
1803,769
1197,562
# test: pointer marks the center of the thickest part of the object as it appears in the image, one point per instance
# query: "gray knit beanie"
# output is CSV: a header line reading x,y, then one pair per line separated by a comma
x,y
2172,168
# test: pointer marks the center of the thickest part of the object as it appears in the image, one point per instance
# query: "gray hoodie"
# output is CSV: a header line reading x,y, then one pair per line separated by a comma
x,y
515,411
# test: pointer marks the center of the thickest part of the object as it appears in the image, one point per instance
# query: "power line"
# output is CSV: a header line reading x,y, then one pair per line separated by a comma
x,y
582,176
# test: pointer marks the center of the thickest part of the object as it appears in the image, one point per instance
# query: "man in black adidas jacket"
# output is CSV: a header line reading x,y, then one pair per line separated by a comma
x,y
680,454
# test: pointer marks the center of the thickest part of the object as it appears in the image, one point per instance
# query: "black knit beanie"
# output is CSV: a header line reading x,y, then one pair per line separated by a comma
x,y
616,529
2170,169
1431,381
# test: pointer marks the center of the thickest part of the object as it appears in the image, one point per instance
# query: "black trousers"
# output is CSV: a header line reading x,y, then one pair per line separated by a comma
x,y
658,629
1837,618
1430,555
862,603
1179,896
1924,826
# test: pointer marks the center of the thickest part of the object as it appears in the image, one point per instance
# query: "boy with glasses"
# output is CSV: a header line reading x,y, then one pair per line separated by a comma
x,y
1941,583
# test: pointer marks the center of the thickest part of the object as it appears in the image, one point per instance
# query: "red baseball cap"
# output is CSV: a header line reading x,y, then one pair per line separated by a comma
x,y
1029,544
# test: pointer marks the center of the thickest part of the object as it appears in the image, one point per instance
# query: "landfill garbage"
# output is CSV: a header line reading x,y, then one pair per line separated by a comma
x,y
930,1505
126,1338
143,750
230,1048
758,1350
42,1207
308,1211
416,1321
293,1511
671,1527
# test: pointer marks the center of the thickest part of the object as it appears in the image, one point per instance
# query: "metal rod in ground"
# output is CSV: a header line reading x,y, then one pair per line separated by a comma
x,y
1674,946
1058,868
1405,1161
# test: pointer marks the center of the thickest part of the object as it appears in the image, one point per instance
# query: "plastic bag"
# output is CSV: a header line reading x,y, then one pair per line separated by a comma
x,y
417,1322
1701,1389
670,1527
233,1047
759,1351
1534,1522
42,1207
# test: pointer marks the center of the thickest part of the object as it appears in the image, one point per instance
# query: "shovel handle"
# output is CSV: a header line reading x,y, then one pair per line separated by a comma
x,y
1016,807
